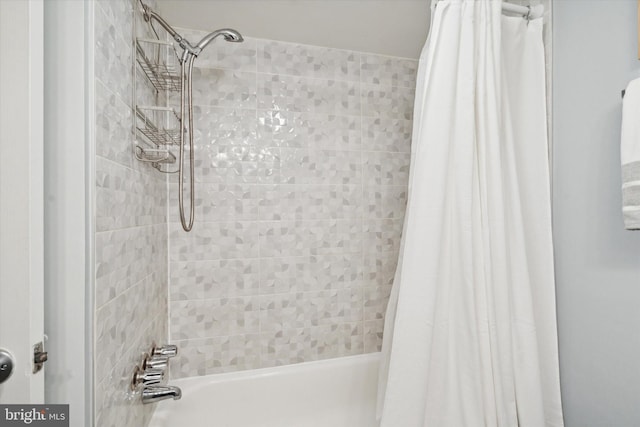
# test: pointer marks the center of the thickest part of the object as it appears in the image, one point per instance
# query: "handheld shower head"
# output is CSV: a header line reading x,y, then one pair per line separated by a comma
x,y
228,34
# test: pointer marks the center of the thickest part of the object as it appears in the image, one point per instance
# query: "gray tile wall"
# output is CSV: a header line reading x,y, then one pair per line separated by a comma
x,y
130,228
302,157
302,161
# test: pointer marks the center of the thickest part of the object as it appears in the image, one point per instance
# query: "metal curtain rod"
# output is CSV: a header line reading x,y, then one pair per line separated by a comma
x,y
529,12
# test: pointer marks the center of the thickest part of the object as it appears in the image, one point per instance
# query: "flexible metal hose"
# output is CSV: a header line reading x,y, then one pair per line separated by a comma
x,y
186,71
189,55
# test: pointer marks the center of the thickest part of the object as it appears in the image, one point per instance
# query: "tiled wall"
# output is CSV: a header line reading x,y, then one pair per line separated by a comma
x,y
131,228
302,161
302,158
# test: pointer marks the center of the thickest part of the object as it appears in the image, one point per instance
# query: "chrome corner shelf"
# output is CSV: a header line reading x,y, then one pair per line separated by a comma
x,y
156,126
154,155
160,125
160,128
149,54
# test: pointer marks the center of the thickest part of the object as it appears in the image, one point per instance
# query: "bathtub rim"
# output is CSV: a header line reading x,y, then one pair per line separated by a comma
x,y
200,380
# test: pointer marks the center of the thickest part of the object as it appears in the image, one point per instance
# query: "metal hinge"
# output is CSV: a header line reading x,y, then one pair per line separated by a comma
x,y
39,357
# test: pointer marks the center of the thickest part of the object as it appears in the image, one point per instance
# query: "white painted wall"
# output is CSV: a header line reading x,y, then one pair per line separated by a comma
x,y
386,27
598,263
67,296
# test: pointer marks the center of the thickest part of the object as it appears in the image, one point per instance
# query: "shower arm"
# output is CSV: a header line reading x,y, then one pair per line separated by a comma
x,y
187,48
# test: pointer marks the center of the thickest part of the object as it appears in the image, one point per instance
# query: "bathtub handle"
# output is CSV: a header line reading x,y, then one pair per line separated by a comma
x,y
147,377
155,362
167,351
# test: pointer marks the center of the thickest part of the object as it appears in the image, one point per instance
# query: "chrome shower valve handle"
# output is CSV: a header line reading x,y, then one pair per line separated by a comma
x,y
155,362
147,377
167,351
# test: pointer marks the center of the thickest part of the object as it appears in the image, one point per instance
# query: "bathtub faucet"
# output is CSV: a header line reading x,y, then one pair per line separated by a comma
x,y
156,393
149,375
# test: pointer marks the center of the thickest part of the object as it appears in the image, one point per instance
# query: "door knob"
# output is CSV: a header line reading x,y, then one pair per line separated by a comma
x,y
6,365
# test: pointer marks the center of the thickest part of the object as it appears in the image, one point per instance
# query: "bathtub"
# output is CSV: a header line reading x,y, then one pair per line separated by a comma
x,y
330,393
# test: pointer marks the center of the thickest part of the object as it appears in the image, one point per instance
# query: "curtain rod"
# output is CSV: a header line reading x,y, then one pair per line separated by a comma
x,y
532,12
529,12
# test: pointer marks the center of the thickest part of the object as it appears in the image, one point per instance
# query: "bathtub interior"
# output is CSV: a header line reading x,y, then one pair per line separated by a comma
x,y
330,393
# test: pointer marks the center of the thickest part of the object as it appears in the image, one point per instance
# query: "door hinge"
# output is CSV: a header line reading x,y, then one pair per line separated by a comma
x,y
39,357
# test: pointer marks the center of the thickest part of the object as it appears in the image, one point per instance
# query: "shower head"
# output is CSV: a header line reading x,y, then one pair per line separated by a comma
x,y
228,34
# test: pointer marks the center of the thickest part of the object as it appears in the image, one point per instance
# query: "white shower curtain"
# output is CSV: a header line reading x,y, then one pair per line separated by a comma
x,y
470,336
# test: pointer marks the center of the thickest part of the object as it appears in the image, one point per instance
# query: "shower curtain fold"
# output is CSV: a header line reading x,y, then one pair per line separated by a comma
x,y
470,335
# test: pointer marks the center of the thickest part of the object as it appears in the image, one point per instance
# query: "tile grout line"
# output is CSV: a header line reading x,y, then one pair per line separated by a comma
x,y
363,204
260,356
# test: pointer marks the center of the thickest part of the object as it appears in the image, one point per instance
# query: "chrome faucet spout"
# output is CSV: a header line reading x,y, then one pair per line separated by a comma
x,y
156,393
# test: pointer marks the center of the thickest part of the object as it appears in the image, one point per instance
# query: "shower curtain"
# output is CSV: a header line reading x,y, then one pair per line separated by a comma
x,y
470,335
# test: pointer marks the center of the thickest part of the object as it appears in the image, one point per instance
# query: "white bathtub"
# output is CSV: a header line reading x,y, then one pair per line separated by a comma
x,y
329,393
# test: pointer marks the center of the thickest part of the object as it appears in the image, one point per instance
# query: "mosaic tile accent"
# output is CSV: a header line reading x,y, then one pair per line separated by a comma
x,y
390,71
383,235
214,240
289,202
216,355
220,202
384,201
386,168
373,335
390,102
308,61
195,280
299,94
237,164
226,127
335,236
215,317
332,271
319,131
223,88
314,343
390,135
301,168
379,268
281,239
310,166
375,302
310,273
298,310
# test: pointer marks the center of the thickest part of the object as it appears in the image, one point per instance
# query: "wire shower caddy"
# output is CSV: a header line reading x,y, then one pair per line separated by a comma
x,y
157,127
